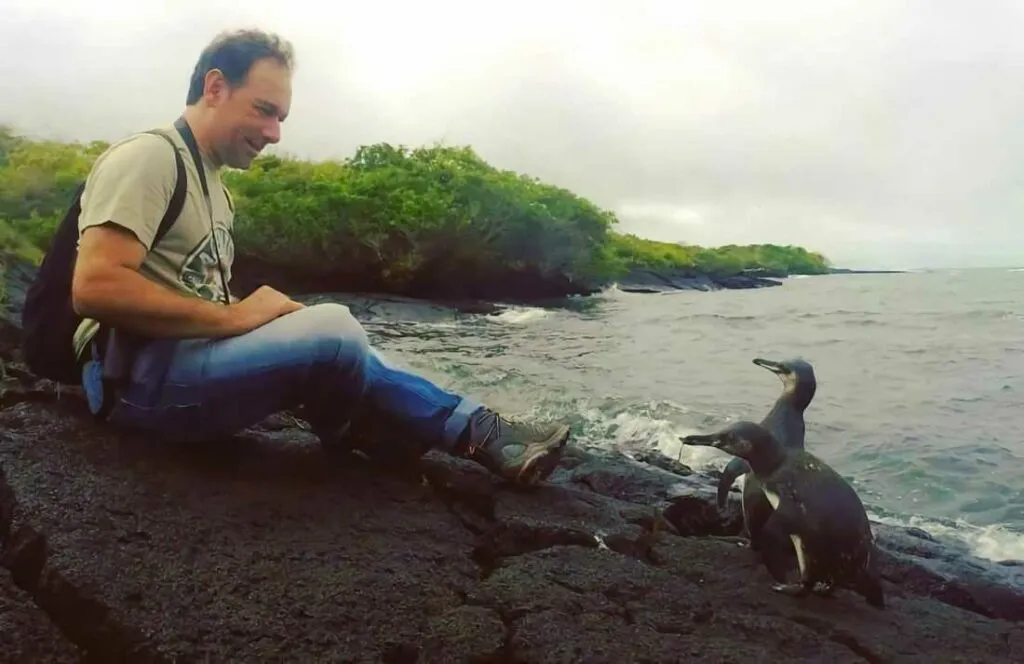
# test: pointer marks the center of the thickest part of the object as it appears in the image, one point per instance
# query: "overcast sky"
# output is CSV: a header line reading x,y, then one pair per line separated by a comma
x,y
882,133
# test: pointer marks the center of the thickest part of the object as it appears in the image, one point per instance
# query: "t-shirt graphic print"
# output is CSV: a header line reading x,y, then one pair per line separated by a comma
x,y
200,272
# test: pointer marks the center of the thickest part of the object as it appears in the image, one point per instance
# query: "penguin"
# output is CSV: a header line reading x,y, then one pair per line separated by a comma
x,y
813,507
785,421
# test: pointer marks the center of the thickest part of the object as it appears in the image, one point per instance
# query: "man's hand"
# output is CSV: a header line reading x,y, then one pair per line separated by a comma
x,y
264,305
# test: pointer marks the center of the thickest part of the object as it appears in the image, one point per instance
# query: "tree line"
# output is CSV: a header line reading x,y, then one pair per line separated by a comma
x,y
394,218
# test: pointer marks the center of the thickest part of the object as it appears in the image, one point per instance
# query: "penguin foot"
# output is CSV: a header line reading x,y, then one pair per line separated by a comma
x,y
791,589
824,589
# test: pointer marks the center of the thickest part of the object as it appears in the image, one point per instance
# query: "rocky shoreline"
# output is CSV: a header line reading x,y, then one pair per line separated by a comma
x,y
520,289
250,274
660,281
638,280
261,547
19,274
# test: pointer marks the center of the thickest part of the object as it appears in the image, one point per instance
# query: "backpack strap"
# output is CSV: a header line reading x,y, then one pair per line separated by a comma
x,y
178,197
181,124
231,200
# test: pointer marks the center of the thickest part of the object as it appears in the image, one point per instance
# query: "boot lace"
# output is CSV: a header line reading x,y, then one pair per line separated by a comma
x,y
493,433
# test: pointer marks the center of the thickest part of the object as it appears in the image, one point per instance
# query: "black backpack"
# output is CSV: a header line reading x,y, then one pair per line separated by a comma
x,y
48,320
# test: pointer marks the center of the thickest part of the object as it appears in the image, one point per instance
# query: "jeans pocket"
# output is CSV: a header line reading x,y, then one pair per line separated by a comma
x,y
168,373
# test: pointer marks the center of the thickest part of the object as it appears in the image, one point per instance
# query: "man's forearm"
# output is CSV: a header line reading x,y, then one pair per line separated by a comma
x,y
122,297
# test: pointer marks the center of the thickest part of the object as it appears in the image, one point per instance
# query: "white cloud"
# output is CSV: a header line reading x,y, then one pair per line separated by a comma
x,y
880,133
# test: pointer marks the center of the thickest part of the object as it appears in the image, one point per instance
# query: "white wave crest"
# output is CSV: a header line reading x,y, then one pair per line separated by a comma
x,y
995,543
519,315
628,431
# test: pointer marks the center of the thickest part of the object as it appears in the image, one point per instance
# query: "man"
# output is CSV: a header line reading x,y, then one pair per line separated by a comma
x,y
215,364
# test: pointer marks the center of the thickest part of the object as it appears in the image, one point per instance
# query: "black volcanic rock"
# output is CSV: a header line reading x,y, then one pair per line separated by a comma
x,y
263,547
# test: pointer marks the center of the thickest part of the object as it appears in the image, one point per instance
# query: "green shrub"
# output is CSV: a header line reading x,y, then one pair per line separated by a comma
x,y
394,215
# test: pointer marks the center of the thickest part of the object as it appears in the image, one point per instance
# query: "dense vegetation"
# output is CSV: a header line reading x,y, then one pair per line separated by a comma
x,y
431,220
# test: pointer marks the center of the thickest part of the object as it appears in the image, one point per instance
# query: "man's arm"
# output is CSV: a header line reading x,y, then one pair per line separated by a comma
x,y
108,287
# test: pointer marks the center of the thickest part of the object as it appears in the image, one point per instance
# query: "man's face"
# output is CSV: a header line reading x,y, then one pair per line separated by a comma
x,y
245,119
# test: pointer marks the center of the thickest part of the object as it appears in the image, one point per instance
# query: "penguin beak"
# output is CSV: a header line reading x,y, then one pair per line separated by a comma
x,y
702,439
770,365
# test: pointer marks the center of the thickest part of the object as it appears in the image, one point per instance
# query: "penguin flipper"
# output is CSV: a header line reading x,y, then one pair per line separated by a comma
x,y
734,469
776,545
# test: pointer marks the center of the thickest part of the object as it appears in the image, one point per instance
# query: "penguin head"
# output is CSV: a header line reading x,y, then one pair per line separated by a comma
x,y
744,439
795,374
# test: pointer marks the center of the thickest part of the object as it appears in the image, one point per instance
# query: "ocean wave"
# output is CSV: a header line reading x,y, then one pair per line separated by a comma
x,y
515,315
995,542
724,317
628,431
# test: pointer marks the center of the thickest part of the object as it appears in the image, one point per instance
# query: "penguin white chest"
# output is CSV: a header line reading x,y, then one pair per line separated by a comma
x,y
798,545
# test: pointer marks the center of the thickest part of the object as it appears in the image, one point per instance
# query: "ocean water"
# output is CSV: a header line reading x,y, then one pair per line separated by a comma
x,y
920,381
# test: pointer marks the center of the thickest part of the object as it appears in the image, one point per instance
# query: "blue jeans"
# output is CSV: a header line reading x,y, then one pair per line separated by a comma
x,y
318,357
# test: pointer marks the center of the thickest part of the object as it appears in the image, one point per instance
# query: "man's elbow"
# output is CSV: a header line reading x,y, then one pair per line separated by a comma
x,y
91,293
106,256
83,296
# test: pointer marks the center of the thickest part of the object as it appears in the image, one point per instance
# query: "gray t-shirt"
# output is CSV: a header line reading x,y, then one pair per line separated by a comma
x,y
130,185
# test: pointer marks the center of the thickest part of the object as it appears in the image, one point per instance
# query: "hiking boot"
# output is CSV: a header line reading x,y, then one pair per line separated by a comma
x,y
517,452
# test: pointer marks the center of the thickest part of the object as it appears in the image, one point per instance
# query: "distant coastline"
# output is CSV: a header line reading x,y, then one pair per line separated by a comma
x,y
846,270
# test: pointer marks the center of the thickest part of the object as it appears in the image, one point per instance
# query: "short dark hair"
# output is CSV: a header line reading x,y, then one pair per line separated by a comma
x,y
234,53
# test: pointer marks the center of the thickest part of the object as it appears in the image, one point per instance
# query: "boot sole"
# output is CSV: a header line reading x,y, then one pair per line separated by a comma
x,y
543,458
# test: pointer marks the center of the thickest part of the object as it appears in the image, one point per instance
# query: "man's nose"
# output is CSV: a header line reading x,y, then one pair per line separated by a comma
x,y
272,131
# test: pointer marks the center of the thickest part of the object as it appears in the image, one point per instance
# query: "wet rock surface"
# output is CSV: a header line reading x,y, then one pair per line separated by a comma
x,y
26,632
258,547
262,547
